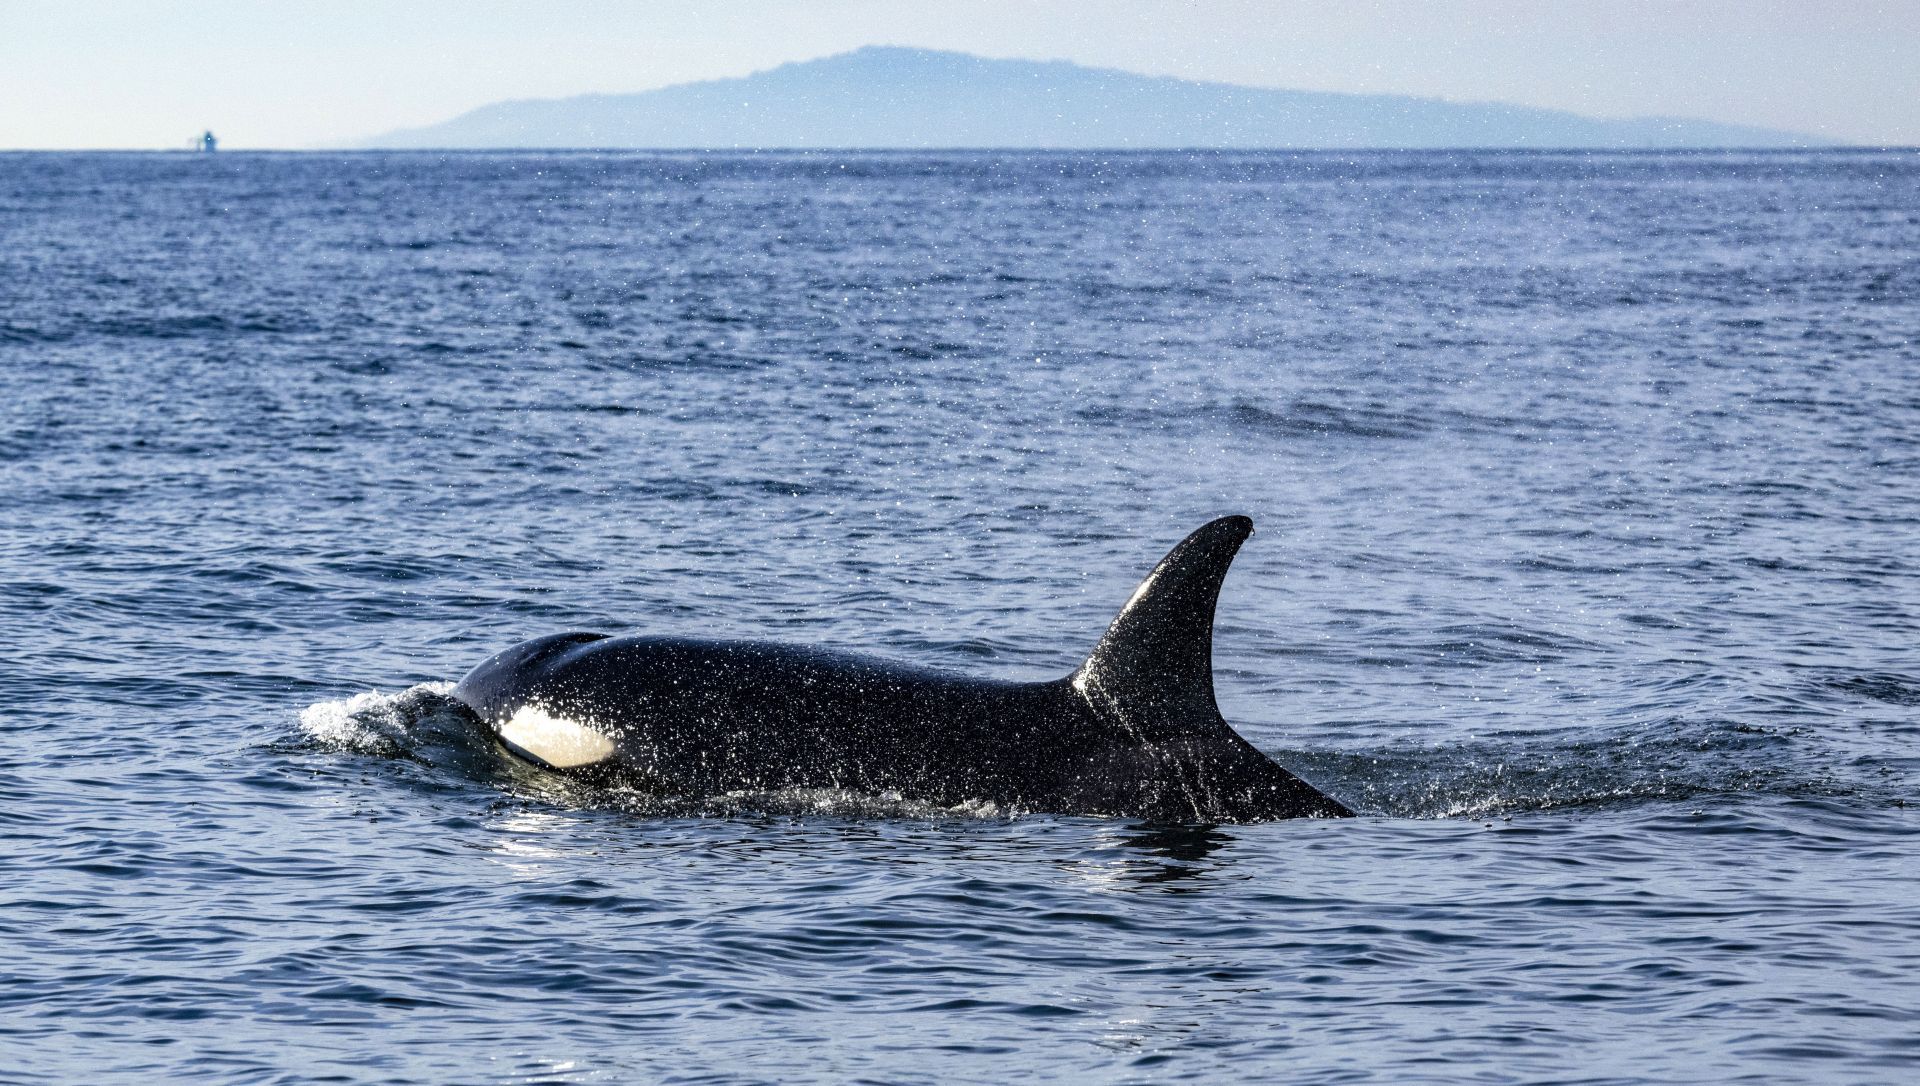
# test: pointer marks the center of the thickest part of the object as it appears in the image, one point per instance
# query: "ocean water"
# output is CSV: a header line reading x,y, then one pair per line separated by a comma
x,y
1587,569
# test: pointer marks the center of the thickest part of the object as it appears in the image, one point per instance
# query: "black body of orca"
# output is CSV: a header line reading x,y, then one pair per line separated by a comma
x,y
1133,732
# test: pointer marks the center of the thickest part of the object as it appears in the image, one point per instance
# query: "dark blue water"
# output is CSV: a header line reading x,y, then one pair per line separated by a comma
x,y
1588,568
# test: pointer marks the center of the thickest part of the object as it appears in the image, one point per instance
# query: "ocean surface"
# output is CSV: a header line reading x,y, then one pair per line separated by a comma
x,y
1587,568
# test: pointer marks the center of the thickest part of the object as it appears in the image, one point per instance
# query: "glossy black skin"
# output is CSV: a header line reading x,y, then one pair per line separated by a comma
x,y
696,718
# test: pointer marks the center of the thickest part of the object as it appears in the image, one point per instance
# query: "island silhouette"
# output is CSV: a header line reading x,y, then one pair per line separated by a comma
x,y
895,97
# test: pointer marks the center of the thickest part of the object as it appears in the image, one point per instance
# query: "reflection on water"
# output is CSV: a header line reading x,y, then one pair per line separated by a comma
x,y
1178,854
525,835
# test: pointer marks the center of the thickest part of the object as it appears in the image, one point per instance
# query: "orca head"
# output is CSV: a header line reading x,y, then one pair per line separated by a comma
x,y
506,693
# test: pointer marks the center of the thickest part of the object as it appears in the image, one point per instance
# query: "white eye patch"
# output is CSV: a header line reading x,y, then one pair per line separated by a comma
x,y
554,740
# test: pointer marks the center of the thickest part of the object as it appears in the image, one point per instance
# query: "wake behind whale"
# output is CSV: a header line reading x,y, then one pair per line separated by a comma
x,y
1133,732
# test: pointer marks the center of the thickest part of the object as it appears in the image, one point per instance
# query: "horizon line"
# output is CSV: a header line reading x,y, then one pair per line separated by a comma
x,y
1776,149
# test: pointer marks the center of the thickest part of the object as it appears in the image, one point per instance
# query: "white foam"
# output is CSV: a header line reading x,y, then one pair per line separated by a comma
x,y
371,722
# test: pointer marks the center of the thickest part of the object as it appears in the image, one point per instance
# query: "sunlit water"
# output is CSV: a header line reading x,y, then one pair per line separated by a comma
x,y
1588,568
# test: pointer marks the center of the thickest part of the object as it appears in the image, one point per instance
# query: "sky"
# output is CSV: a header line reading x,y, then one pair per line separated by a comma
x,y
315,73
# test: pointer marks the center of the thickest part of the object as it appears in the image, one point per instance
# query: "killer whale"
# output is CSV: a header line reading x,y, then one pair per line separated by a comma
x,y
1134,731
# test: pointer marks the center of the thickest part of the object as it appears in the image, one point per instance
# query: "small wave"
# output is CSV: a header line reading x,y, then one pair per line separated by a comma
x,y
1487,643
1308,418
1890,689
163,327
1672,760
19,333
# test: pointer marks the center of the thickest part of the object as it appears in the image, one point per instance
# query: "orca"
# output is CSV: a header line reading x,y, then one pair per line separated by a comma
x,y
1133,732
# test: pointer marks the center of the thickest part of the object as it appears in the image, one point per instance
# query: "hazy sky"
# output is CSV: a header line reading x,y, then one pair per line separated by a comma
x,y
96,73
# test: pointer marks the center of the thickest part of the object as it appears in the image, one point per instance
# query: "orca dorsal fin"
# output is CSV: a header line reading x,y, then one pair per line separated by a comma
x,y
1152,671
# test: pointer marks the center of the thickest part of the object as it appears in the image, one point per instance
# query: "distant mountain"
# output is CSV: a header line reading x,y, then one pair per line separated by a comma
x,y
890,97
